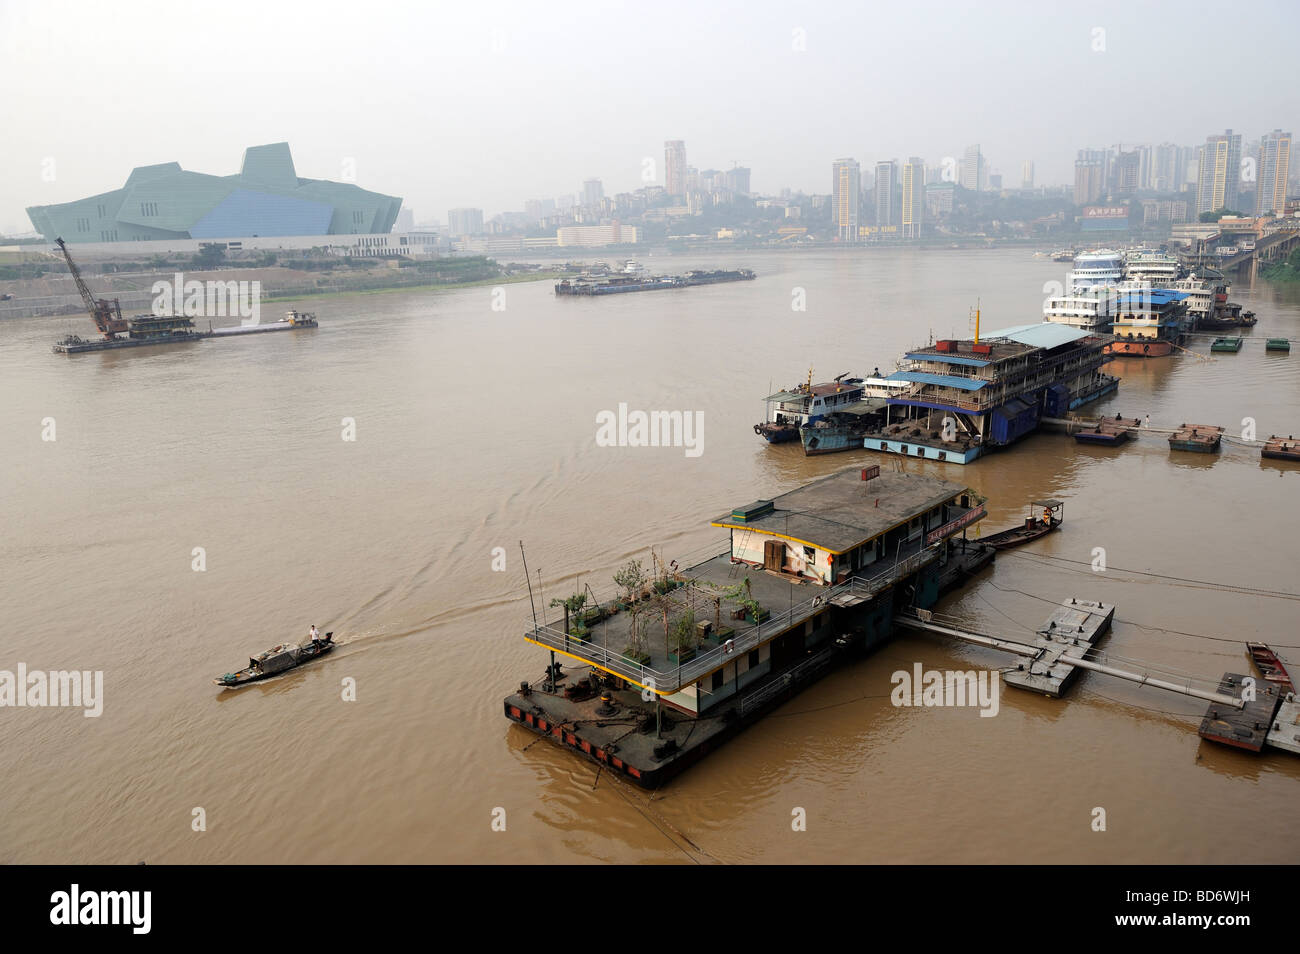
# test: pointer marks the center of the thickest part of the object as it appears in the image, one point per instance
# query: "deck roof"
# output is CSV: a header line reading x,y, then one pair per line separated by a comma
x,y
841,511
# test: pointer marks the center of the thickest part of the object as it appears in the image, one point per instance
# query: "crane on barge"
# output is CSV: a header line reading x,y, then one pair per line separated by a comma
x,y
107,315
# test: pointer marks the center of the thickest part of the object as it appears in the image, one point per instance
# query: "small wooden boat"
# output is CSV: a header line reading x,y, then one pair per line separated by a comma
x,y
1230,345
1044,517
1277,344
1281,448
1109,431
1270,666
274,661
1200,438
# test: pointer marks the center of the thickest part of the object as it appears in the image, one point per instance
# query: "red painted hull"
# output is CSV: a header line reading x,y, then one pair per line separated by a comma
x,y
1141,349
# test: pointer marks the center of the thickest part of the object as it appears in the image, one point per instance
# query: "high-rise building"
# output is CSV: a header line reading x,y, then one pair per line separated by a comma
x,y
1027,174
1274,168
738,180
1126,173
886,179
592,193
913,204
1165,174
973,174
1089,179
675,167
465,222
1219,173
846,195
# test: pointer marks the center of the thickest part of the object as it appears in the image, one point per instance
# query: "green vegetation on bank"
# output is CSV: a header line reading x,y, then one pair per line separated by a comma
x,y
1287,270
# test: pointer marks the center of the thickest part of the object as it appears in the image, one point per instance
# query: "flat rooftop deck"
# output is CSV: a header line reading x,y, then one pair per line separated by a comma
x,y
841,511
789,600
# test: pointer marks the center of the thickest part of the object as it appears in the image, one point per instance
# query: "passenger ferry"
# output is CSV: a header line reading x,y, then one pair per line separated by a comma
x,y
1152,267
1086,309
1103,267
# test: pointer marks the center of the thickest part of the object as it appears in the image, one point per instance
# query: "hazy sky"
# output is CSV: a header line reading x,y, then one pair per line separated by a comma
x,y
491,103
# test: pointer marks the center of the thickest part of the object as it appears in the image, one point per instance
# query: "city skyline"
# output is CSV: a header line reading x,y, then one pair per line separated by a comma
x,y
457,118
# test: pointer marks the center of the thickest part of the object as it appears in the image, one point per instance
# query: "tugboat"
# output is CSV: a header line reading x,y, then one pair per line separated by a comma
x,y
274,661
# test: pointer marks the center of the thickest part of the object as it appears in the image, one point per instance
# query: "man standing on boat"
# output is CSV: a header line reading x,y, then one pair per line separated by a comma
x,y
315,637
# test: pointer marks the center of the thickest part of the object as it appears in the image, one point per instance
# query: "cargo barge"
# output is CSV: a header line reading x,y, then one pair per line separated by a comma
x,y
623,284
143,331
677,663
148,331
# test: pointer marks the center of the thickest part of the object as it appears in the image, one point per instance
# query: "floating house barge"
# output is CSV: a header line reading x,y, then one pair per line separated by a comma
x,y
805,404
994,391
818,574
1149,323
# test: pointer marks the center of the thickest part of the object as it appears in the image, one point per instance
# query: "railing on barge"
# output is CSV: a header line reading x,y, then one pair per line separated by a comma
x,y
699,666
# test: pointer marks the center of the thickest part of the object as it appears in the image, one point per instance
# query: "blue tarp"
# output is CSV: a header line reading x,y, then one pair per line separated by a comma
x,y
943,380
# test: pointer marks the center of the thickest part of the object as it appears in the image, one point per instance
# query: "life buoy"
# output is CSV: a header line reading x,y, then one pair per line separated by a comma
x,y
728,646
1146,349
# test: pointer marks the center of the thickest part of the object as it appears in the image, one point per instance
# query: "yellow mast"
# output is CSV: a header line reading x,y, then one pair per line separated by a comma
x,y
977,321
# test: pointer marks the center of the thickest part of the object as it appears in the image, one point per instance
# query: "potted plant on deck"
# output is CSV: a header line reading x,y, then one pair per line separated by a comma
x,y
631,579
573,606
682,638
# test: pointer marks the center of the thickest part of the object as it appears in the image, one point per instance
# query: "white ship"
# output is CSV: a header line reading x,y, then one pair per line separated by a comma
x,y
1103,268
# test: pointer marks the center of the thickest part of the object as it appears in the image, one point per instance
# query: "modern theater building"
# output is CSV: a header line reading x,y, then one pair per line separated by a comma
x,y
266,198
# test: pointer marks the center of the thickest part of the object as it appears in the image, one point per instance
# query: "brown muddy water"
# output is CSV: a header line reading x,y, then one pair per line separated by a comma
x,y
475,429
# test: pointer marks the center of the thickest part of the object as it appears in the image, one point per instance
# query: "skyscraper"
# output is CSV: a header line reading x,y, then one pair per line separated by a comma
x,y
846,193
1274,168
886,179
465,222
1126,173
1219,173
675,167
913,197
972,169
592,193
1027,174
738,180
1089,179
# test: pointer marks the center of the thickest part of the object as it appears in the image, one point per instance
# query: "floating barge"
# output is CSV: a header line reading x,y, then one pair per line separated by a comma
x,y
1271,718
1278,344
1108,432
965,398
1226,345
1198,438
170,330
810,578
806,404
1149,323
623,284
1281,448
